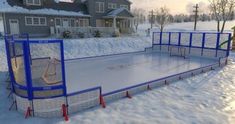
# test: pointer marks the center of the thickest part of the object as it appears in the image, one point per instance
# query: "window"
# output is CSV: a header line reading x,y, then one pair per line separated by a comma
x,y
72,22
29,21
83,22
112,5
42,21
35,21
100,23
124,6
99,7
57,22
33,2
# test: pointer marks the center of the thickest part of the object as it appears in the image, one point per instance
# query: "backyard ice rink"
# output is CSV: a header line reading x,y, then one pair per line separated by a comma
x,y
118,72
206,98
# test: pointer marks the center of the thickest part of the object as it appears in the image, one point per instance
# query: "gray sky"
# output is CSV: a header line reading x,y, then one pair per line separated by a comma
x,y
175,6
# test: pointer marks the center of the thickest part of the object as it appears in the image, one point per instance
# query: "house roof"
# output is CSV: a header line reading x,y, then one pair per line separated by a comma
x,y
120,13
51,8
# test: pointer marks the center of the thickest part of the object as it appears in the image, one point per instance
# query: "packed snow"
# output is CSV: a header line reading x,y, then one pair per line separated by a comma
x,y
206,98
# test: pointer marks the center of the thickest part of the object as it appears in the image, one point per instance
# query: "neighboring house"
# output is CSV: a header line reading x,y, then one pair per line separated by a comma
x,y
42,17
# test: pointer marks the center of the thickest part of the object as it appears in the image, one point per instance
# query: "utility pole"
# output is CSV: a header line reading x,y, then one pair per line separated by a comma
x,y
196,16
151,18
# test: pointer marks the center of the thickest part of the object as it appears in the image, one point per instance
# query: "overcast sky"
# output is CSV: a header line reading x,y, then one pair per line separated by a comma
x,y
175,6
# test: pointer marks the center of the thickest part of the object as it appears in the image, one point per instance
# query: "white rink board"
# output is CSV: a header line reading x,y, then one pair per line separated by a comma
x,y
121,71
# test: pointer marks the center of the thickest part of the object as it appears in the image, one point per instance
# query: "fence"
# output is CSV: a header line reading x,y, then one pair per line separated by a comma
x,y
37,74
195,43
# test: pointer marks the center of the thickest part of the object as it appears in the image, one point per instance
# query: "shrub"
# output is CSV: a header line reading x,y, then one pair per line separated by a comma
x,y
81,35
67,34
97,34
115,34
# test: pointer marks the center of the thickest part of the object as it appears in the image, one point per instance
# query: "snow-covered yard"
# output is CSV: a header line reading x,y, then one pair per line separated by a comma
x,y
206,98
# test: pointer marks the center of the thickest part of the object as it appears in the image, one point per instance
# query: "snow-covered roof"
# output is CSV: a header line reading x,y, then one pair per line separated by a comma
x,y
6,8
69,1
117,12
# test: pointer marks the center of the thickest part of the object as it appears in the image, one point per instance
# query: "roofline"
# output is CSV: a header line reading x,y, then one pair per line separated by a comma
x,y
88,16
122,17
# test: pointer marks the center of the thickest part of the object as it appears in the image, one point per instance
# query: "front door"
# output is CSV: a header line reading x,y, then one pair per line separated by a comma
x,y
14,26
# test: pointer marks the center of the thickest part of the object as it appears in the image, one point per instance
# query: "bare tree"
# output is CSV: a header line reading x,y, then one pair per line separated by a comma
x,y
162,17
139,17
222,10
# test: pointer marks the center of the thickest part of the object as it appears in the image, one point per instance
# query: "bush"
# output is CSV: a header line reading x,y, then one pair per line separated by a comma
x,y
81,35
97,34
115,34
67,34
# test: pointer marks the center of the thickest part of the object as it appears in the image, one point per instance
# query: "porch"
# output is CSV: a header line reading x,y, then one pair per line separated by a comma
x,y
114,23
121,19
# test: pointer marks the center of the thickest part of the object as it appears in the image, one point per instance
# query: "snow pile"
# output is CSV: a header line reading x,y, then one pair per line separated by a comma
x,y
104,46
5,7
78,48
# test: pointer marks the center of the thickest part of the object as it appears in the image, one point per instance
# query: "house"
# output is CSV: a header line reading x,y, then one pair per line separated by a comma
x,y
41,18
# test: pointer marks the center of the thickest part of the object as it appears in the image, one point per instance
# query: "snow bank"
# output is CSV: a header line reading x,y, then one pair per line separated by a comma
x,y
104,46
77,48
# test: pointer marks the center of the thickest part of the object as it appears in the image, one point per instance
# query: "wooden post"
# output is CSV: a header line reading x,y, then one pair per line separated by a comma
x,y
233,47
195,16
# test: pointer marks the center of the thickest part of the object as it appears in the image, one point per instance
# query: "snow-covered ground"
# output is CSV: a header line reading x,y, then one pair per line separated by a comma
x,y
201,26
207,98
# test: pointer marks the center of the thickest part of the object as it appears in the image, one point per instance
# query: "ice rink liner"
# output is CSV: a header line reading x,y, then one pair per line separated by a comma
x,y
118,72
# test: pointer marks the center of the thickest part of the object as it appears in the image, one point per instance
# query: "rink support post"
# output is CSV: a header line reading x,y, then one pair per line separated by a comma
x,y
28,113
102,102
128,95
149,88
65,112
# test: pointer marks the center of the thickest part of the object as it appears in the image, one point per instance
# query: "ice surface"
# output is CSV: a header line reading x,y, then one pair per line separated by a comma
x,y
113,73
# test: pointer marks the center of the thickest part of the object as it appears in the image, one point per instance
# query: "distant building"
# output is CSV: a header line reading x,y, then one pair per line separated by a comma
x,y
41,17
